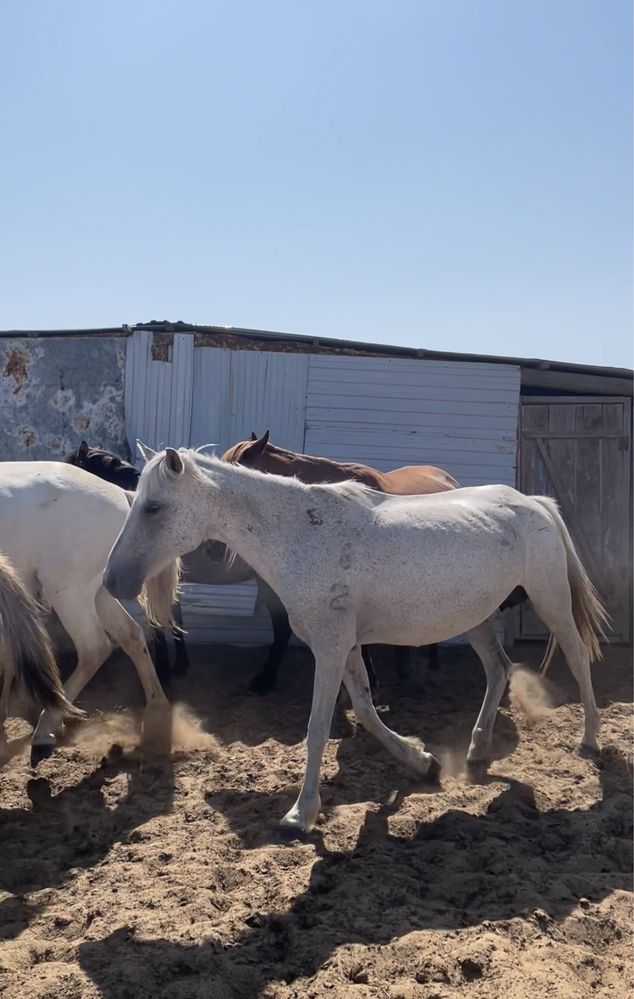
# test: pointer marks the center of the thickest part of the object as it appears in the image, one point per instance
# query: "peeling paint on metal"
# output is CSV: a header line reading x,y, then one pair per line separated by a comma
x,y
54,393
16,367
62,400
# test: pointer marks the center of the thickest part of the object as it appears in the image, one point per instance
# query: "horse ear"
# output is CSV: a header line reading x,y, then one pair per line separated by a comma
x,y
82,451
259,444
173,461
146,452
254,436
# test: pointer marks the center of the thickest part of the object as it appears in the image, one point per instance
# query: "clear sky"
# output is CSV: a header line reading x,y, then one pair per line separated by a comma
x,y
450,174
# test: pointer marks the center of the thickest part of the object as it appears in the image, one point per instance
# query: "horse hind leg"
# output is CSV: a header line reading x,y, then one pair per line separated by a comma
x,y
265,680
161,655
77,613
181,652
552,601
410,751
496,665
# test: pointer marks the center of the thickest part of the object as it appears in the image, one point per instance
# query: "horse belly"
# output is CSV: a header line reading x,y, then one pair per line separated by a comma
x,y
423,607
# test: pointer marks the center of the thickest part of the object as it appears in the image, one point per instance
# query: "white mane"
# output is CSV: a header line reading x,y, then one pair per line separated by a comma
x,y
349,490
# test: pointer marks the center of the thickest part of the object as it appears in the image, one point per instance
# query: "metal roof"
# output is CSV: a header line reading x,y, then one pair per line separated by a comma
x,y
226,335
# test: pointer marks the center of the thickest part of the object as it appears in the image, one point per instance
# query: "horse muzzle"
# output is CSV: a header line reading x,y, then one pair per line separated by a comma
x,y
122,586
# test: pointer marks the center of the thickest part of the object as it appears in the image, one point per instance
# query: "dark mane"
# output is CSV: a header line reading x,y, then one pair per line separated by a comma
x,y
105,465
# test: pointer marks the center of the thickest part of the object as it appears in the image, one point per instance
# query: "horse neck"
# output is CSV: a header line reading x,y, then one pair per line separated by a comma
x,y
307,468
247,513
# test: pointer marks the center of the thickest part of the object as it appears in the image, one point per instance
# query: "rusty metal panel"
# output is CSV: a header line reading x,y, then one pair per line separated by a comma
x,y
56,392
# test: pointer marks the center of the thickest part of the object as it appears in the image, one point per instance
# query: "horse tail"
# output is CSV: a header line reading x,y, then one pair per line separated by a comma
x,y
588,611
26,646
159,594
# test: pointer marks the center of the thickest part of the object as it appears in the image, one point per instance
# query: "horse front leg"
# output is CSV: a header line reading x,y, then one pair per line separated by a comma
x,y
329,666
265,680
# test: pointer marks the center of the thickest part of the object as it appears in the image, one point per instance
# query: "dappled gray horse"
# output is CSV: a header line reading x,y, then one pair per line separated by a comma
x,y
353,566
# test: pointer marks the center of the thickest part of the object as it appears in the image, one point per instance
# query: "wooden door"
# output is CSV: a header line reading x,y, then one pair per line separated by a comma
x,y
578,451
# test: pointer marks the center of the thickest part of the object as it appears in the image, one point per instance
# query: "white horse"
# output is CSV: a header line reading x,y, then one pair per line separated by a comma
x,y
57,525
356,567
25,650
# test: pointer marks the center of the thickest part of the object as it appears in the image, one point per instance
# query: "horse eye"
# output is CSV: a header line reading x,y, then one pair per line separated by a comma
x,y
150,508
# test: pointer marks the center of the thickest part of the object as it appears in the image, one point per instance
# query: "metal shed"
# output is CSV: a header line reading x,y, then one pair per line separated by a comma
x,y
548,427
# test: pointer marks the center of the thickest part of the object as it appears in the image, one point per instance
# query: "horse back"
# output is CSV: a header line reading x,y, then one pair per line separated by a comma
x,y
417,480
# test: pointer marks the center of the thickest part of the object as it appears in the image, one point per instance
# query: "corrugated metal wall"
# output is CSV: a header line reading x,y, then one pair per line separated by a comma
x,y
382,411
389,412
237,391
215,396
158,394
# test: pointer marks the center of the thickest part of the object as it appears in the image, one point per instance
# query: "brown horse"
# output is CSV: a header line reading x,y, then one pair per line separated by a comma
x,y
414,480
411,480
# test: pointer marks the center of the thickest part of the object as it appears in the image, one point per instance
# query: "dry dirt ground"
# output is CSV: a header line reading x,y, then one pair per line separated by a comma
x,y
132,877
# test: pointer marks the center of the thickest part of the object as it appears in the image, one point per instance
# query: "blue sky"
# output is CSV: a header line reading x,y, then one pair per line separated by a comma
x,y
452,174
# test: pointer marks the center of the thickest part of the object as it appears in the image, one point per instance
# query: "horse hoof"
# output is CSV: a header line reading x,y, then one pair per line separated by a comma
x,y
41,751
587,752
38,791
292,834
477,771
433,774
261,685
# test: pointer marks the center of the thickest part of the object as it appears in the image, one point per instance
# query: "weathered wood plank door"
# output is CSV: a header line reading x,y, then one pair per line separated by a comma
x,y
578,451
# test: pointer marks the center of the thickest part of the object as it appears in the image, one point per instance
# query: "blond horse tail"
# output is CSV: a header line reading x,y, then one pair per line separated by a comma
x,y
588,611
159,594
26,647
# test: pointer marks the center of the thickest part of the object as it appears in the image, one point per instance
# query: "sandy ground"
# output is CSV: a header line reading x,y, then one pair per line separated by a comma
x,y
132,877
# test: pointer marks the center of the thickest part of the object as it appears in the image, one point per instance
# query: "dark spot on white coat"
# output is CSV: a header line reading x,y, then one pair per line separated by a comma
x,y
339,600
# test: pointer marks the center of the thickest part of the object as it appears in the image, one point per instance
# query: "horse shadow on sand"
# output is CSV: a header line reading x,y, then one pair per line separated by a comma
x,y
459,870
77,827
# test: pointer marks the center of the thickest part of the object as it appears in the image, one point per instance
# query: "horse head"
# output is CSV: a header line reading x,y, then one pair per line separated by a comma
x,y
105,465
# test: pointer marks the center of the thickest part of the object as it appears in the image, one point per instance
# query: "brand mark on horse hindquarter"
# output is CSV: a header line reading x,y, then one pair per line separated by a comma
x,y
339,599
315,517
345,559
